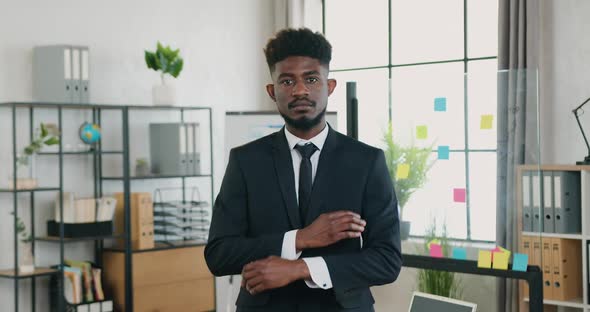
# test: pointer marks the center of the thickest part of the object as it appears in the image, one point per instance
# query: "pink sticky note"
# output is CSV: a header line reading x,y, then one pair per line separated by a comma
x,y
459,195
436,251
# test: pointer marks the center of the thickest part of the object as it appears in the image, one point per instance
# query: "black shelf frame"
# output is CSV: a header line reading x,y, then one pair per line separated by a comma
x,y
97,153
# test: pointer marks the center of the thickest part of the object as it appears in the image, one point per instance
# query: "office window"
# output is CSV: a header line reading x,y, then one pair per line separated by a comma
x,y
404,55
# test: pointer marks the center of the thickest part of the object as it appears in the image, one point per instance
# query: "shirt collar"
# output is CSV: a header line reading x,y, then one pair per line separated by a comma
x,y
317,140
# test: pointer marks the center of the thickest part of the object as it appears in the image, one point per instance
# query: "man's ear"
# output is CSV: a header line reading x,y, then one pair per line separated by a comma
x,y
331,85
270,89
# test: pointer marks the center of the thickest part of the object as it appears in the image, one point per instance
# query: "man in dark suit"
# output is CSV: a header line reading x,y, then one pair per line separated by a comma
x,y
306,215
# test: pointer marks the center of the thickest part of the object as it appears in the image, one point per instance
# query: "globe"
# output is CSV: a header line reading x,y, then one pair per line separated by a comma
x,y
89,133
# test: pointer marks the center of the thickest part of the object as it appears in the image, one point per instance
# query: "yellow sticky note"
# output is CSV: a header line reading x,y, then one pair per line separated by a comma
x,y
485,259
403,171
434,241
487,122
422,132
501,260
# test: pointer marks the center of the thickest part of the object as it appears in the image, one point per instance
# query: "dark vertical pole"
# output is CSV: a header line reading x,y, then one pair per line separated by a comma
x,y
97,257
33,280
324,17
536,292
61,298
127,213
15,206
351,110
211,155
186,153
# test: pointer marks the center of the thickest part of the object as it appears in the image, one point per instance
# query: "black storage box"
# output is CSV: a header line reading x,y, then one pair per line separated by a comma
x,y
77,230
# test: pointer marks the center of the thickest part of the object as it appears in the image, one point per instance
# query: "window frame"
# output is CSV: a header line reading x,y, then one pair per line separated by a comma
x,y
465,60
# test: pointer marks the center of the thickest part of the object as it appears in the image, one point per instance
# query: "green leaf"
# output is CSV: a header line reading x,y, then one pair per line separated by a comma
x,y
163,62
29,150
176,68
150,60
52,141
43,130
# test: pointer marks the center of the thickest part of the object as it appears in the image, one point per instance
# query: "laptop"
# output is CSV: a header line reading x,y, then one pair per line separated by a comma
x,y
422,302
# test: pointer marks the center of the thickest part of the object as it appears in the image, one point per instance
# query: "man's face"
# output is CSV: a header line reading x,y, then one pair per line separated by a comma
x,y
301,88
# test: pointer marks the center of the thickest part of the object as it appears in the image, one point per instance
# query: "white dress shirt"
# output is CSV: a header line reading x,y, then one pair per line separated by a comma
x,y
320,276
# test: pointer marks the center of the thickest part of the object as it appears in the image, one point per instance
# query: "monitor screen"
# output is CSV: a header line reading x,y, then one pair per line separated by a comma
x,y
427,303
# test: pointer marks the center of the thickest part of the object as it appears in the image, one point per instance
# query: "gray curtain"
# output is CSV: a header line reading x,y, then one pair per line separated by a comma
x,y
518,133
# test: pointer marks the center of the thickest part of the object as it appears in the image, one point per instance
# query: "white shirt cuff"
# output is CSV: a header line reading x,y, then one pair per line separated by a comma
x,y
289,249
320,276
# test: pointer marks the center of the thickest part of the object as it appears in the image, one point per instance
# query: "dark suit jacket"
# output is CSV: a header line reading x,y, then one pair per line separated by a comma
x,y
257,204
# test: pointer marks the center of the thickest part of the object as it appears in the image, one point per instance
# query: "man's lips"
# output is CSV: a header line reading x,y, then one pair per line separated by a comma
x,y
303,103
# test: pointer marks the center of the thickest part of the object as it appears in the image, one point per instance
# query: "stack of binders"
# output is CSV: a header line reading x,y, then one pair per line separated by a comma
x,y
61,74
560,262
174,148
551,202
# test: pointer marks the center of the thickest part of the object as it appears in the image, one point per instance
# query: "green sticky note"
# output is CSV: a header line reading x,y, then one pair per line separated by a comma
x,y
422,132
487,122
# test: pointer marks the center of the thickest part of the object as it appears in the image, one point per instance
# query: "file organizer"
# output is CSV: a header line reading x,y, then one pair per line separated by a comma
x,y
567,202
61,74
175,220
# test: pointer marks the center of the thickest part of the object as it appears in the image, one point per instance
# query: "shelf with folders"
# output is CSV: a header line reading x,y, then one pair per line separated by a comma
x,y
553,205
47,180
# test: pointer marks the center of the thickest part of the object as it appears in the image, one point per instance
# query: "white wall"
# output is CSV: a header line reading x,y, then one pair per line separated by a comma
x,y
221,42
564,75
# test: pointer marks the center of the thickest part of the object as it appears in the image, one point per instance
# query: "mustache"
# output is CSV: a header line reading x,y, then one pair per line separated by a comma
x,y
301,101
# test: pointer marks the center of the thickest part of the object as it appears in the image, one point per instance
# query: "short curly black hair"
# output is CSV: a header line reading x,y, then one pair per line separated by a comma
x,y
297,42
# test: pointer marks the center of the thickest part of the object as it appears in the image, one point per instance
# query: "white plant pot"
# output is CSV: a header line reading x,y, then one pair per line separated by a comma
x,y
26,259
164,95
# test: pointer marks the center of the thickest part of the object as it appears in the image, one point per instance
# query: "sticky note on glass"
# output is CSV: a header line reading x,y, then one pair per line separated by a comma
x,y
459,195
459,253
487,122
436,251
434,241
443,152
421,132
440,104
485,259
520,262
403,171
501,260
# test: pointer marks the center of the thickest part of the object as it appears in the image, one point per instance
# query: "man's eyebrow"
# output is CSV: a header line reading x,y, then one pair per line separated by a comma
x,y
285,75
311,72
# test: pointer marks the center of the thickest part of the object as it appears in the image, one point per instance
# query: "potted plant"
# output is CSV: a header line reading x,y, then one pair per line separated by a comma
x,y
142,167
46,135
440,283
167,61
419,162
26,261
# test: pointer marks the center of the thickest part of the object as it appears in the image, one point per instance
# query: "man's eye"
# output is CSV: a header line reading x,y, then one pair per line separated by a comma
x,y
287,82
312,79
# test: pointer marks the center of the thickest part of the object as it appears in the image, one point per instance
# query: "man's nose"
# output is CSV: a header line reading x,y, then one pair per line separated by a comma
x,y
300,89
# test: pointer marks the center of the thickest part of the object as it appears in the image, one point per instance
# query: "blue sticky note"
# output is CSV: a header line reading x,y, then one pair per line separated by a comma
x,y
459,253
440,104
520,262
443,152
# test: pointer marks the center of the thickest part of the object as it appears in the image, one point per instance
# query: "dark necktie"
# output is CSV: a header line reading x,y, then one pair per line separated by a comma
x,y
305,181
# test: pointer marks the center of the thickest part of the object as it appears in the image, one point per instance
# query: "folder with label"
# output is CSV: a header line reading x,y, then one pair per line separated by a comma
x,y
566,268
548,205
546,269
567,194
536,199
525,248
527,210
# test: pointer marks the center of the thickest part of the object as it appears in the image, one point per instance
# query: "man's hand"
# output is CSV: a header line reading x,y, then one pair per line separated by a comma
x,y
272,272
330,228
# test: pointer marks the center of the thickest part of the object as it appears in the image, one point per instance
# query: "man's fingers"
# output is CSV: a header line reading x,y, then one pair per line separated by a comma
x,y
254,281
349,219
341,213
258,289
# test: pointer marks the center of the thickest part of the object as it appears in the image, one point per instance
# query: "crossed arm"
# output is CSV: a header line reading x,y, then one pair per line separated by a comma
x,y
229,251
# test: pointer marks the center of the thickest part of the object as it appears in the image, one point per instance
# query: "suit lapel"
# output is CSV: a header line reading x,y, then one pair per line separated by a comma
x,y
326,166
284,169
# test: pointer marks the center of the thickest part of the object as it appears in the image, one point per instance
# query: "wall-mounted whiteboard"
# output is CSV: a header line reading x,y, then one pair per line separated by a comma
x,y
243,127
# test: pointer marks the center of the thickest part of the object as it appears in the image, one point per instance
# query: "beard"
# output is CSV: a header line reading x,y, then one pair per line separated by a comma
x,y
304,123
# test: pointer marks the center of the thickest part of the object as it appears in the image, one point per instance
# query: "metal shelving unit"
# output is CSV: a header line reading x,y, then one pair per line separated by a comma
x,y
98,179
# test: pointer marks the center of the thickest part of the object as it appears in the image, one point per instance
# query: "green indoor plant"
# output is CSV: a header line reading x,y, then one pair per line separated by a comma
x,y
420,163
26,260
168,62
441,283
45,135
